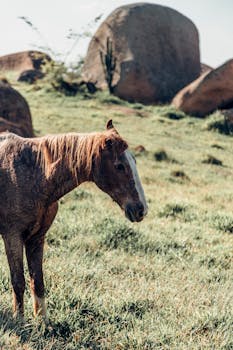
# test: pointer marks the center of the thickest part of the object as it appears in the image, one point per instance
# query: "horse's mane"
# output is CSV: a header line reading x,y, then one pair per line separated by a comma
x,y
77,150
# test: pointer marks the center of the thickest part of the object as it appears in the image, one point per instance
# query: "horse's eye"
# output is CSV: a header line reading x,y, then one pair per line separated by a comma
x,y
120,167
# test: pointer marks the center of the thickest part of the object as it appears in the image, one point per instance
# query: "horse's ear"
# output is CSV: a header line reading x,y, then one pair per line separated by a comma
x,y
109,125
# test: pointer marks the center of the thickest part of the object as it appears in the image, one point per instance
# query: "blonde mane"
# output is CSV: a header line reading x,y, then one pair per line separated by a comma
x,y
77,151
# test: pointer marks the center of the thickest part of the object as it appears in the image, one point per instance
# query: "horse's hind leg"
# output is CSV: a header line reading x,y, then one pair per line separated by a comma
x,y
14,251
34,252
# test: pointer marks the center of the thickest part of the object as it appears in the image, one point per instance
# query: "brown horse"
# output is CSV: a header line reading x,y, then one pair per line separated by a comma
x,y
36,172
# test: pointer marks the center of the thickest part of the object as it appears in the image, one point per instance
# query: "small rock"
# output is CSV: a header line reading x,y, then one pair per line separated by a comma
x,y
30,76
140,149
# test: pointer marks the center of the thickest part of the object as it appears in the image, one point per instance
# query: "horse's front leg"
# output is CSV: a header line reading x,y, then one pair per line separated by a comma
x,y
14,252
34,252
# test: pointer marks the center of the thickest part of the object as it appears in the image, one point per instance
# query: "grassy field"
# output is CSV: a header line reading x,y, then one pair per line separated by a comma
x,y
165,283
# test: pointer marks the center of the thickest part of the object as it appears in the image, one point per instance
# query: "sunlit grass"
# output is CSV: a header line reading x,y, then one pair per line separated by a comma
x,y
165,283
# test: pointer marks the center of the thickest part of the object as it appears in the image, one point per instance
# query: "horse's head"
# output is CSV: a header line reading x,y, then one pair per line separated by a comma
x,y
115,173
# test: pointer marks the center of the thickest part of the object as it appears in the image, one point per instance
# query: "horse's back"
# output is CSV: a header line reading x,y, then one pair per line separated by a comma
x,y
8,136
8,142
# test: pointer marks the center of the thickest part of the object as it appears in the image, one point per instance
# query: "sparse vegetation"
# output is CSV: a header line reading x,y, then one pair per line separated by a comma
x,y
173,210
223,222
62,76
108,61
179,176
163,284
217,122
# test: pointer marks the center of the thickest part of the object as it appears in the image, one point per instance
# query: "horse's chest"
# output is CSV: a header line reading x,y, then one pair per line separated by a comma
x,y
25,218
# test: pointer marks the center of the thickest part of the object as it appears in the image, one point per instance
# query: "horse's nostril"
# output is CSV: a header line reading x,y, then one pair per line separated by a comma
x,y
141,213
140,210
135,212
140,206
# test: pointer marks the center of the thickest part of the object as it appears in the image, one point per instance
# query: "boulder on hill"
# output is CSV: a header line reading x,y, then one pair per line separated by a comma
x,y
15,111
156,50
212,90
21,61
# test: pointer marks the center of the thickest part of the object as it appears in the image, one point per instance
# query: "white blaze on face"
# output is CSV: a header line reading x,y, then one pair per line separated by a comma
x,y
137,181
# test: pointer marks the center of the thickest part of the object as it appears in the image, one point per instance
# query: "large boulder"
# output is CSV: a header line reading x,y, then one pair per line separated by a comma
x,y
212,90
21,61
15,114
156,50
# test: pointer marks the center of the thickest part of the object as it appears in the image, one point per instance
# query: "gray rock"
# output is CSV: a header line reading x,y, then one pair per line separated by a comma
x,y
212,90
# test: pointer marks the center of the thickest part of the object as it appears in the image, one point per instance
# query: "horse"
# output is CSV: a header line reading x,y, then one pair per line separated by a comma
x,y
36,172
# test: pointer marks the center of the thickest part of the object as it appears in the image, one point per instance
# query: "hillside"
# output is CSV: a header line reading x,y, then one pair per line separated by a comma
x,y
165,283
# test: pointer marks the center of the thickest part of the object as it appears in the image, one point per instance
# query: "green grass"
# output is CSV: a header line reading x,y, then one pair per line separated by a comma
x,y
165,283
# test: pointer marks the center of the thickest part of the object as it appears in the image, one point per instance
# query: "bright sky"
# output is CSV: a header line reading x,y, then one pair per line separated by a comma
x,y
54,18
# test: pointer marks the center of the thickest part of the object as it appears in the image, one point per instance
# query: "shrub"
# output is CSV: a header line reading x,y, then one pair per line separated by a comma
x,y
175,115
222,222
180,174
173,210
162,156
218,123
212,160
108,61
116,235
138,307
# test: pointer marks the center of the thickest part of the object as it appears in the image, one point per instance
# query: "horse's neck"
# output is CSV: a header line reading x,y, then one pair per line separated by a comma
x,y
65,168
60,181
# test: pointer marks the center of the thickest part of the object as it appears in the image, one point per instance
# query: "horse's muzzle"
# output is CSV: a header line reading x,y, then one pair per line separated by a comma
x,y
135,212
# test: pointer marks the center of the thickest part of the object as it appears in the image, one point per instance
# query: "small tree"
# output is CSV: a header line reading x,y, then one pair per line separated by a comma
x,y
109,64
61,75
